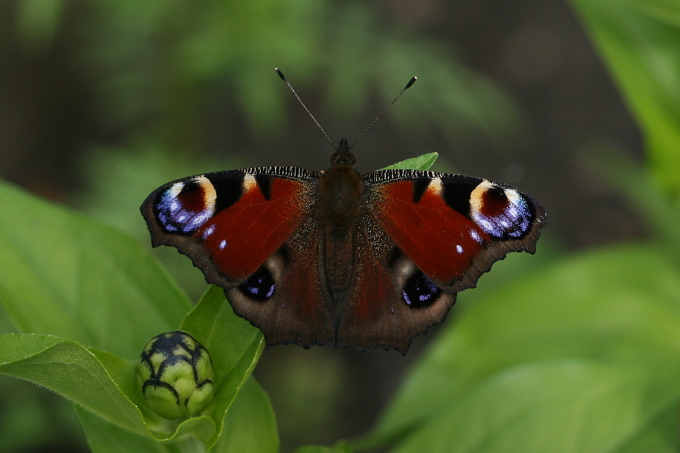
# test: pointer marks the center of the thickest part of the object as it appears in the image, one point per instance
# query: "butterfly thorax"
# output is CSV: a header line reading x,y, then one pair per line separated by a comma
x,y
341,188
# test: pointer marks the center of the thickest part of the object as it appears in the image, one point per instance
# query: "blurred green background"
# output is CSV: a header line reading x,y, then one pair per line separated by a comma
x,y
101,102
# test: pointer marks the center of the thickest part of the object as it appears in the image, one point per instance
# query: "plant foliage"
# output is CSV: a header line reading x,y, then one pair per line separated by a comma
x,y
565,354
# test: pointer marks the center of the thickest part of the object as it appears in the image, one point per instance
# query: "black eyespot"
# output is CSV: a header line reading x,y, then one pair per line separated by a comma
x,y
419,291
496,192
260,286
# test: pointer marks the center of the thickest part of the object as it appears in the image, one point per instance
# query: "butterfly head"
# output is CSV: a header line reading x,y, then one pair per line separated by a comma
x,y
342,155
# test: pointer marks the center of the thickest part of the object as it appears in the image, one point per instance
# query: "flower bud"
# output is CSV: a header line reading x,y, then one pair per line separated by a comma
x,y
176,375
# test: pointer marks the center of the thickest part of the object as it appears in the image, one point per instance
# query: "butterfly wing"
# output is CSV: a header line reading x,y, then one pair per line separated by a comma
x,y
426,236
381,309
420,237
286,297
251,232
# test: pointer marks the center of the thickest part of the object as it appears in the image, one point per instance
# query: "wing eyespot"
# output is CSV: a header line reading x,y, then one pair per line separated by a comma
x,y
419,291
260,286
186,206
502,213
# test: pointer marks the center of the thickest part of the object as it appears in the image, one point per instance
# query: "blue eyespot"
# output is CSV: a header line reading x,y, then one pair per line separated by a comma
x,y
260,286
185,206
419,291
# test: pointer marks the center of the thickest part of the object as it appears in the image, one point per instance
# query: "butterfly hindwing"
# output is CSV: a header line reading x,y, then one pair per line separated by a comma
x,y
391,301
296,307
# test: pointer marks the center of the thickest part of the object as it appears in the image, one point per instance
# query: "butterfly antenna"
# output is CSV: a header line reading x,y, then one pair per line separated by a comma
x,y
408,85
278,71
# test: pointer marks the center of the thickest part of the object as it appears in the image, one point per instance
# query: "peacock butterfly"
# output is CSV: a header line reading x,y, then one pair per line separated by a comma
x,y
338,258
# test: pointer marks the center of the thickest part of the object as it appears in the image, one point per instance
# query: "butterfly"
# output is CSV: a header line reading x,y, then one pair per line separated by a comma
x,y
338,258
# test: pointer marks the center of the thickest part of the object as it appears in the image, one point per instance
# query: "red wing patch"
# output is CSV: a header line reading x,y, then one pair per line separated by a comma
x,y
441,241
240,237
229,222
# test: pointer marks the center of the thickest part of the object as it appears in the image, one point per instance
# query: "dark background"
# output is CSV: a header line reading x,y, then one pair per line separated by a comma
x,y
101,104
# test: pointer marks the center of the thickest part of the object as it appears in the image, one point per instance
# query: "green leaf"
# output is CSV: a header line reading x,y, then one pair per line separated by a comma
x,y
235,347
611,317
69,275
586,407
66,275
340,447
230,339
104,437
104,384
71,370
250,425
423,162
639,41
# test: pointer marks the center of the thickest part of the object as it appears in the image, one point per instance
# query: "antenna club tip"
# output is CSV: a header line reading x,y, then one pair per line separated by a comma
x,y
411,82
278,71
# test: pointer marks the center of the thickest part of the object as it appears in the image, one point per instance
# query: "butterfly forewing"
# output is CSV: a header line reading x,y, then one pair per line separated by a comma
x,y
230,222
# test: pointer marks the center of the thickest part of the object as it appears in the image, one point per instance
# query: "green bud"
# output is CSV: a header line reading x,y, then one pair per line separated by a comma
x,y
176,375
